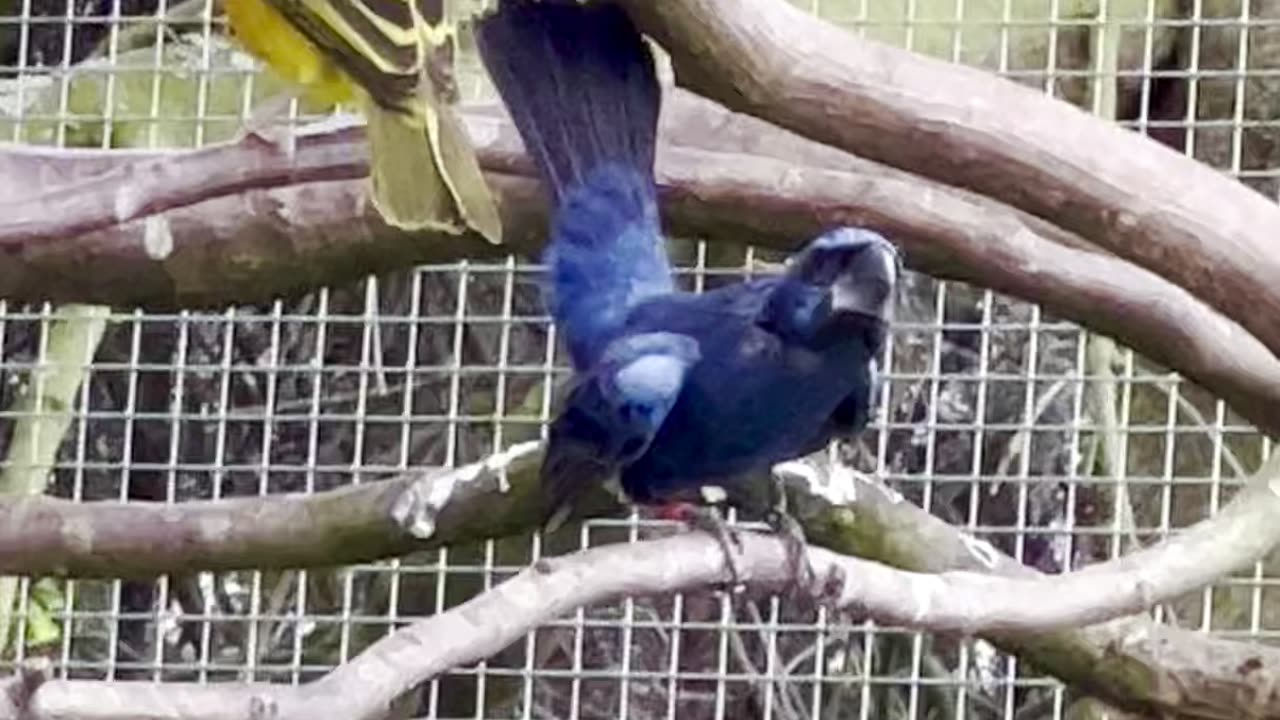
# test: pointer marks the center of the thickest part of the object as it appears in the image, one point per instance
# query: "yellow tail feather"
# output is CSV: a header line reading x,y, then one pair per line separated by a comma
x,y
427,176
408,189
462,173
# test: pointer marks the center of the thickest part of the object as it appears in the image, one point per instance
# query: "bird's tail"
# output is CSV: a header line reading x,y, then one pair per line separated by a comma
x,y
579,83
407,190
423,174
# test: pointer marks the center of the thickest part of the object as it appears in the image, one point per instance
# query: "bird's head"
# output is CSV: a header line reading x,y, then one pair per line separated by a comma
x,y
840,288
859,267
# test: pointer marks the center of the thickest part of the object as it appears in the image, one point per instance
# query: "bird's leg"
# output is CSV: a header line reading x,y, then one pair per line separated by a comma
x,y
708,520
791,532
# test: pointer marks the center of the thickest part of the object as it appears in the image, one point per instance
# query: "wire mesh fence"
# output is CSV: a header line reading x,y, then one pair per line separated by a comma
x,y
1057,446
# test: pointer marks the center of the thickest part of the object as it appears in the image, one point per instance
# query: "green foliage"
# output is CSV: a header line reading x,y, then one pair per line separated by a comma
x,y
46,603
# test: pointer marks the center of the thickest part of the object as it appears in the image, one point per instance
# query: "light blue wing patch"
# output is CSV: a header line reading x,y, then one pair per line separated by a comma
x,y
612,415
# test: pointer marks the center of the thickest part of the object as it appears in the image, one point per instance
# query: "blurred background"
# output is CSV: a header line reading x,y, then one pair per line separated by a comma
x,y
1058,446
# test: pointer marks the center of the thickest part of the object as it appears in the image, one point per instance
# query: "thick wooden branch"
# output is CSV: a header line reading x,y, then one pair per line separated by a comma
x,y
967,127
40,535
245,223
1154,669
724,177
365,687
1132,662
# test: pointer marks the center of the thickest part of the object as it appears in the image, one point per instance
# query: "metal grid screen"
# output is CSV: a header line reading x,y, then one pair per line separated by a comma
x,y
995,415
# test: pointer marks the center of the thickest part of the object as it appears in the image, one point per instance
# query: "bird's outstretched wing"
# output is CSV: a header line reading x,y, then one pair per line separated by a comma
x,y
378,44
612,414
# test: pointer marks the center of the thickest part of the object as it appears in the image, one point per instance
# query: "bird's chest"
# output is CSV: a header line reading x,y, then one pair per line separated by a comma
x,y
762,398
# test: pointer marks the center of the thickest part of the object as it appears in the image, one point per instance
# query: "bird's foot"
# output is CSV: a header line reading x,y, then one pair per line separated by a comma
x,y
708,520
792,533
798,566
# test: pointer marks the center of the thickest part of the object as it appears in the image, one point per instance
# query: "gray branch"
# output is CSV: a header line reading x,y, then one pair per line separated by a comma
x,y
1038,617
251,235
366,687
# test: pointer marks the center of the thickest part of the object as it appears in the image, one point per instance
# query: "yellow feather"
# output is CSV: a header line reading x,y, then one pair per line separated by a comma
x,y
419,178
271,38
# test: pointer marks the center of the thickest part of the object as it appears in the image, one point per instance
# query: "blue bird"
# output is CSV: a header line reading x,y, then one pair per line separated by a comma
x,y
672,391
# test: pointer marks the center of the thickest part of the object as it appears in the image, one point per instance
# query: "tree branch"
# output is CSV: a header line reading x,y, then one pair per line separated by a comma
x,y
415,513
261,225
724,177
365,687
970,128
356,523
1133,662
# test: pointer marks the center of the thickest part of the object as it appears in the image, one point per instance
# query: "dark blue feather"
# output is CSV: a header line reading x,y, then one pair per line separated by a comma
x,y
579,83
673,390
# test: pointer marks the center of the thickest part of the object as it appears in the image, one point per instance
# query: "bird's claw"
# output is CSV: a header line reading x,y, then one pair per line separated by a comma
x,y
791,532
698,517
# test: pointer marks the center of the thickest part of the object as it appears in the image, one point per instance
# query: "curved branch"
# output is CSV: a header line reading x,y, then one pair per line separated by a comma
x,y
724,176
365,687
950,235
1132,662
491,498
142,183
1155,669
497,497
970,128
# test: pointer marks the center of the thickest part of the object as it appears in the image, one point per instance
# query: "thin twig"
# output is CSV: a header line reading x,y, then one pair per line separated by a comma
x,y
1101,350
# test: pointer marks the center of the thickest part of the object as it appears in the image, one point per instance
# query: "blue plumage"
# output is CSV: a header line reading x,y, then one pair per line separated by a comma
x,y
672,390
580,86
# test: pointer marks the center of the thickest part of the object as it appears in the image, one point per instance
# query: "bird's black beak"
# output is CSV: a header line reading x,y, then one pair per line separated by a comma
x,y
867,287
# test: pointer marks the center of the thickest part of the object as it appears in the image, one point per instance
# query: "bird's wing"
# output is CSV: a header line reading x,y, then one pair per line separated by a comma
x,y
380,44
612,414
386,58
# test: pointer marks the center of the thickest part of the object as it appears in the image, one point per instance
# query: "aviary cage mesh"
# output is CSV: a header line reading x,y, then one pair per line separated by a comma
x,y
995,415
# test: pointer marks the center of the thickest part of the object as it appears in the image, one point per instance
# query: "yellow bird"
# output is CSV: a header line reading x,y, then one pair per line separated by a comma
x,y
373,54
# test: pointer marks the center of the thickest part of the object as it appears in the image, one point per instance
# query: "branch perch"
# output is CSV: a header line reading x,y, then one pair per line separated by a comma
x,y
365,687
50,536
724,177
1154,669
1132,662
211,247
